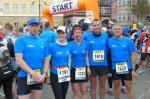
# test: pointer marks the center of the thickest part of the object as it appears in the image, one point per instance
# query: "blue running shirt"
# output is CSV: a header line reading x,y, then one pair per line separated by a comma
x,y
97,49
34,51
121,50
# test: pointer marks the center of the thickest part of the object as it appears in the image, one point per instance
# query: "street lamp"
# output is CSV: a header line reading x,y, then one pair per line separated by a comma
x,y
39,4
39,11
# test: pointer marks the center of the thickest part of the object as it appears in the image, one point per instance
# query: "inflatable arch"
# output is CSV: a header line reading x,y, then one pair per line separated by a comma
x,y
70,6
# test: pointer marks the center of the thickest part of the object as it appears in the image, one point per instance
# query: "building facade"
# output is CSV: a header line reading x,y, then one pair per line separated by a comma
x,y
17,12
73,18
122,11
105,9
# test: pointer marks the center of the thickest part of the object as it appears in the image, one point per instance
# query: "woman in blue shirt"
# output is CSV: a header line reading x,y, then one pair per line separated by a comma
x,y
78,50
60,73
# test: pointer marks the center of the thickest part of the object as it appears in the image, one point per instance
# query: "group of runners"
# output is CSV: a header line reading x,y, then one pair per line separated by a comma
x,y
88,55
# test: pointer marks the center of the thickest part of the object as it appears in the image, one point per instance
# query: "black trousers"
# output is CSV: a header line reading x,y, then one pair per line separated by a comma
x,y
7,86
59,89
110,81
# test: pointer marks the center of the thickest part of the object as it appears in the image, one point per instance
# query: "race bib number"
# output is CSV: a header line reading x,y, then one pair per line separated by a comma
x,y
122,68
63,74
148,49
80,73
30,80
98,55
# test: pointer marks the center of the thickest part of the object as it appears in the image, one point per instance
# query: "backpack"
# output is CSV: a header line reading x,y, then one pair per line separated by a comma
x,y
5,67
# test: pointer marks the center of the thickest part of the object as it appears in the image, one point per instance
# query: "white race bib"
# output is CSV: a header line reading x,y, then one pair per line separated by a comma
x,y
98,55
30,80
80,73
63,74
122,68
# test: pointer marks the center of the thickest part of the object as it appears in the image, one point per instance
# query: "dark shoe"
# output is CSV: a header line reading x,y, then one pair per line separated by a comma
x,y
123,90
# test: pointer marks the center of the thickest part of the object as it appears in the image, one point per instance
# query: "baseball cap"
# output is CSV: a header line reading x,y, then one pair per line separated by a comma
x,y
61,28
103,29
88,21
33,20
111,22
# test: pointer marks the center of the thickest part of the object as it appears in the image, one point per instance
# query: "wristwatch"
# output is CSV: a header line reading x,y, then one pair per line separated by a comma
x,y
45,73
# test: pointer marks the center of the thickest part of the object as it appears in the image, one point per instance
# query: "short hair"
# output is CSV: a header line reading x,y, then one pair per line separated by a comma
x,y
85,27
46,25
115,25
21,29
74,27
95,20
8,26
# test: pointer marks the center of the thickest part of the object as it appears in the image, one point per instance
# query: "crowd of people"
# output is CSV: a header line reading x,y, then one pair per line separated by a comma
x,y
96,52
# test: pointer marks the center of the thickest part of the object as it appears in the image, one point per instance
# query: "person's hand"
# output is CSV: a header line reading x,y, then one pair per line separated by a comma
x,y
43,77
36,76
134,75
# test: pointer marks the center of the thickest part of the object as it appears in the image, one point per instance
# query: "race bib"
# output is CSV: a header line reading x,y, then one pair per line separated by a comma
x,y
148,49
98,55
30,80
122,68
80,73
63,74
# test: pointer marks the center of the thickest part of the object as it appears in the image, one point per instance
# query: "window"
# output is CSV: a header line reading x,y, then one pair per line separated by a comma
x,y
129,2
124,17
23,7
32,8
109,2
124,3
6,7
129,17
15,7
16,24
120,2
119,17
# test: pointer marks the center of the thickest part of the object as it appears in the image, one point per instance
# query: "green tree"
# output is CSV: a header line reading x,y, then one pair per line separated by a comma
x,y
141,9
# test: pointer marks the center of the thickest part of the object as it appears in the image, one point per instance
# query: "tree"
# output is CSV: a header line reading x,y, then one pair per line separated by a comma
x,y
141,9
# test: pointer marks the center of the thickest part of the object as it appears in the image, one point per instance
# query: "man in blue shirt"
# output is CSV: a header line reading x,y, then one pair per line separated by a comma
x,y
123,61
97,58
31,55
48,35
